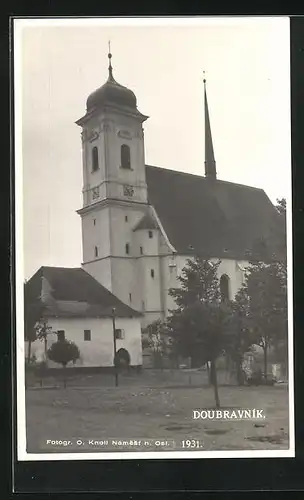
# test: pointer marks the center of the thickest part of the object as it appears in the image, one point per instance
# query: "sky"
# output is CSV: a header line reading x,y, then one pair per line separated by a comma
x,y
58,63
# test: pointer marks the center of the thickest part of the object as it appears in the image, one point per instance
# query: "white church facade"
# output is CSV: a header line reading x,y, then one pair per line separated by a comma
x,y
140,224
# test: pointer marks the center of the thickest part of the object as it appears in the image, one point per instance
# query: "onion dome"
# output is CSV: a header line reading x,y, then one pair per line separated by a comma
x,y
111,93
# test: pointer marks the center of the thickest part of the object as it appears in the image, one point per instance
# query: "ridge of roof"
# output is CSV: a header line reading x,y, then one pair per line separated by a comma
x,y
62,267
202,177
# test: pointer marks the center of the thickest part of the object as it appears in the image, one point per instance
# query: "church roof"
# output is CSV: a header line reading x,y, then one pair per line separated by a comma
x,y
62,291
147,222
213,217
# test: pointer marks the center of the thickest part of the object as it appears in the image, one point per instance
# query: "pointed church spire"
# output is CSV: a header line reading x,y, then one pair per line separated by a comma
x,y
110,78
210,165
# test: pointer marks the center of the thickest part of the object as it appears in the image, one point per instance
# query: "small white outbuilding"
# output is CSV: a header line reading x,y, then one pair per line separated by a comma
x,y
78,308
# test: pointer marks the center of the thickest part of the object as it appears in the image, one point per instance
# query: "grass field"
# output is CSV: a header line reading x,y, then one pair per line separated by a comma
x,y
143,412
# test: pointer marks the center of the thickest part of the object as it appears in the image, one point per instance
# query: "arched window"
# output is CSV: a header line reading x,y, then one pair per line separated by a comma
x,y
95,165
224,287
125,156
122,358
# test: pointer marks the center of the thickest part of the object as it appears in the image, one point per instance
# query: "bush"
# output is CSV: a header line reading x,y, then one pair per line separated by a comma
x,y
63,352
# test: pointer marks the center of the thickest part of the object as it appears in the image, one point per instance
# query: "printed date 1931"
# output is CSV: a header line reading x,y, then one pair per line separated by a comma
x,y
191,443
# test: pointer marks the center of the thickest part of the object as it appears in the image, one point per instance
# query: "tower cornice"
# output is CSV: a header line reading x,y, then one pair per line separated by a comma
x,y
110,202
110,109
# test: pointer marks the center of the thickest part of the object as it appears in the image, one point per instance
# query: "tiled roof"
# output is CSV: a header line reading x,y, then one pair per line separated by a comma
x,y
147,222
213,217
73,292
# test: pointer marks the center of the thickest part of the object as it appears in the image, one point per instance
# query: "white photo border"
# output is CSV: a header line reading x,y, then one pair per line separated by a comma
x,y
22,455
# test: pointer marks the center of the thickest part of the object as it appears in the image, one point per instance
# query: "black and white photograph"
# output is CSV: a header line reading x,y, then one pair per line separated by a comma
x,y
153,238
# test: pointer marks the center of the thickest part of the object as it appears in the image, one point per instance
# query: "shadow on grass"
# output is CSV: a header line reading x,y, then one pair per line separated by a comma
x,y
215,432
182,427
273,439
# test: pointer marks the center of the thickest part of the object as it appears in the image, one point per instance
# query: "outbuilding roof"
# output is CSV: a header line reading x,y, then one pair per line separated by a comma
x,y
61,291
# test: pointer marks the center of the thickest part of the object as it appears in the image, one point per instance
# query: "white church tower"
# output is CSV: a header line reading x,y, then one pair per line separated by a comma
x,y
114,188
141,223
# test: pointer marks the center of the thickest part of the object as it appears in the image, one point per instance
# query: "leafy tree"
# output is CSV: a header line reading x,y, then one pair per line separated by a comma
x,y
198,282
266,290
281,206
280,231
199,324
241,338
33,311
42,330
63,352
157,340
281,345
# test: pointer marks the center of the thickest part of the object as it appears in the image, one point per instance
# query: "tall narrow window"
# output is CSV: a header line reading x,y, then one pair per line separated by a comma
x,y
87,335
125,156
60,335
96,252
94,222
224,287
152,273
127,248
150,234
130,297
95,165
126,218
141,250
